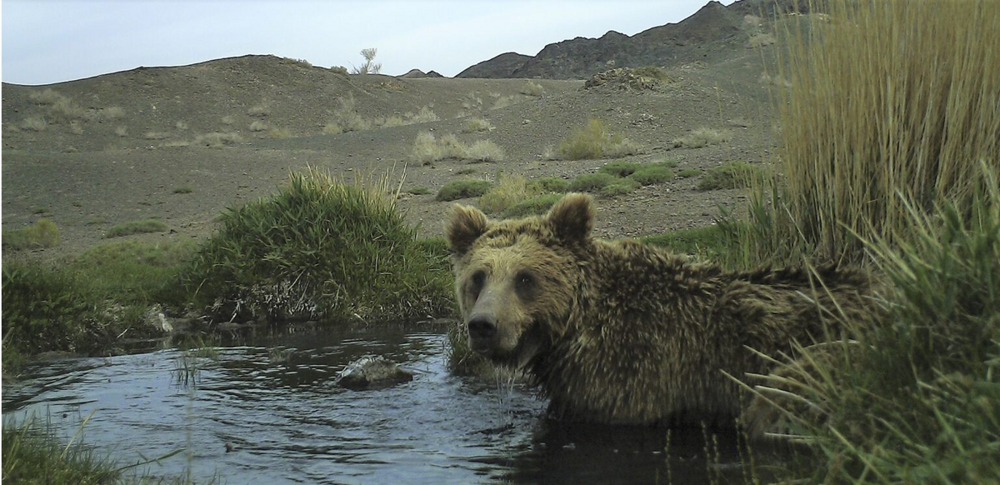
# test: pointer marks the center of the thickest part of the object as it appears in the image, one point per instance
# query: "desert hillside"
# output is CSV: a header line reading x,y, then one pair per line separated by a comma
x,y
182,144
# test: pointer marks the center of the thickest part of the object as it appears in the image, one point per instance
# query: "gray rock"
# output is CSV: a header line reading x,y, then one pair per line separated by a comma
x,y
371,372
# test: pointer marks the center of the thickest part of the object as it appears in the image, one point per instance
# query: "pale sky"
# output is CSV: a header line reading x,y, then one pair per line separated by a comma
x,y
49,41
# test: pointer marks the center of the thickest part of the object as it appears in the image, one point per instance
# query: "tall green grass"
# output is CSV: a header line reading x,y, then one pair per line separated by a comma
x,y
917,399
321,248
886,97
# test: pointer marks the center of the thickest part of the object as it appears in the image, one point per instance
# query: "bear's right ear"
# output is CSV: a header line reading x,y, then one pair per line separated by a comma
x,y
467,224
572,217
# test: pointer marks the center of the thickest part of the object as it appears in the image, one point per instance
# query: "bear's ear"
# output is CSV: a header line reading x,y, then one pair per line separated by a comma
x,y
572,217
467,224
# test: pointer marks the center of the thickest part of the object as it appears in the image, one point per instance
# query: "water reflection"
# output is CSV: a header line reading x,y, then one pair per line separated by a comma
x,y
269,412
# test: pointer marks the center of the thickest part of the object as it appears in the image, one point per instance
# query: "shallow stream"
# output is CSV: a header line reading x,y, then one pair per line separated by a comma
x,y
269,411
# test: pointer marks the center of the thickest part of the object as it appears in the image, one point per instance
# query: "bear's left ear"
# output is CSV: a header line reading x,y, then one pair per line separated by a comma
x,y
572,217
467,224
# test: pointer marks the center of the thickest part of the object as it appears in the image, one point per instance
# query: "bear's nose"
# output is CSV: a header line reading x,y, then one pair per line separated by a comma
x,y
481,327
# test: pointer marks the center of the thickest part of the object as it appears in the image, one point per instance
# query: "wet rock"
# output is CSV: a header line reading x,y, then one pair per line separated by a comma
x,y
371,372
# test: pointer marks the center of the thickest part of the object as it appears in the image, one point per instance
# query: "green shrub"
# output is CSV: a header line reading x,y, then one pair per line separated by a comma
x,y
652,174
619,168
701,137
589,142
552,184
42,234
617,189
707,242
688,173
591,182
44,307
508,190
321,249
931,365
537,205
419,191
136,227
732,175
462,189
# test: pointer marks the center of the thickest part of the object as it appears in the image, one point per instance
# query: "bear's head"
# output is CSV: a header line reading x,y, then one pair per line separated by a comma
x,y
517,281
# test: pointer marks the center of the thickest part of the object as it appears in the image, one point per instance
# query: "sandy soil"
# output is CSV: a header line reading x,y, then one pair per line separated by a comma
x,y
87,176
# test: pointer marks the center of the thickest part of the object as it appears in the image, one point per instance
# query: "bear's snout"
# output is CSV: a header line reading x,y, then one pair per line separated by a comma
x,y
482,330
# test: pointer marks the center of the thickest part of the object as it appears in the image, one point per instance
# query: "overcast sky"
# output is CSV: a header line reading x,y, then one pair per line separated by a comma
x,y
48,41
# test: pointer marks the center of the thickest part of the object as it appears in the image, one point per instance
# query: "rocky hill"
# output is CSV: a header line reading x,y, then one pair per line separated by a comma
x,y
712,32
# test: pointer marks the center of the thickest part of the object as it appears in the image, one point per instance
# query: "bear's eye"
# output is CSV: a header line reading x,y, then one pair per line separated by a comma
x,y
478,280
524,283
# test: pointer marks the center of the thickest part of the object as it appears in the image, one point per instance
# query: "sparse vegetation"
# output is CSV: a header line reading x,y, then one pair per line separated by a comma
x,y
688,173
537,205
653,173
41,234
121,131
532,88
427,149
34,123
702,137
552,184
183,190
369,66
619,168
731,175
462,189
594,141
473,125
155,135
258,126
135,227
759,40
707,242
508,191
31,455
419,191
591,182
618,188
261,110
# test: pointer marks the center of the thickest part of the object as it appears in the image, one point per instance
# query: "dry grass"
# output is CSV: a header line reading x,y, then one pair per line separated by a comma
x,y
702,137
155,135
888,98
427,149
507,192
594,141
48,96
532,88
261,110
258,126
484,151
34,123
121,131
476,124
757,41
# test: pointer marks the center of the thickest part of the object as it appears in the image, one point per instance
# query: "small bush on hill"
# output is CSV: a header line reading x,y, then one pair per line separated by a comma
x,y
619,169
537,205
532,88
136,227
476,124
591,182
618,188
42,234
652,174
552,184
462,189
508,190
701,137
732,175
594,141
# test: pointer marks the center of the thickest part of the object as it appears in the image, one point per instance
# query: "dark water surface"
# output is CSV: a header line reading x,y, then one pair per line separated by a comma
x,y
276,405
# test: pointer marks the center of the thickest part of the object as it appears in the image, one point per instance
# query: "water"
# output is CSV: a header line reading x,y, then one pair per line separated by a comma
x,y
270,412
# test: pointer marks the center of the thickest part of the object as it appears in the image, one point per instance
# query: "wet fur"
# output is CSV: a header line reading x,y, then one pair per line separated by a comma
x,y
624,333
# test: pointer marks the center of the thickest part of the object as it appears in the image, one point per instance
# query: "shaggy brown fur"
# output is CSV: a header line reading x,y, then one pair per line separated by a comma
x,y
620,332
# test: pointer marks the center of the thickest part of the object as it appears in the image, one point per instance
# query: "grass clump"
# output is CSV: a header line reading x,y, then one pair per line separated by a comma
x,y
932,364
653,173
594,141
619,168
688,173
618,188
476,124
591,182
532,88
552,184
321,248
136,227
419,191
706,242
702,137
537,205
41,234
428,149
462,189
925,140
485,151
731,175
183,190
32,455
508,190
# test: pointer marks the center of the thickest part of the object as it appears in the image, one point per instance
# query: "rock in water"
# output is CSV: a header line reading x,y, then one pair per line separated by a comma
x,y
371,372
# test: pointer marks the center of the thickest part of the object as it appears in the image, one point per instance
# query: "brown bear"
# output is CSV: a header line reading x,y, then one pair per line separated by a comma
x,y
624,333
